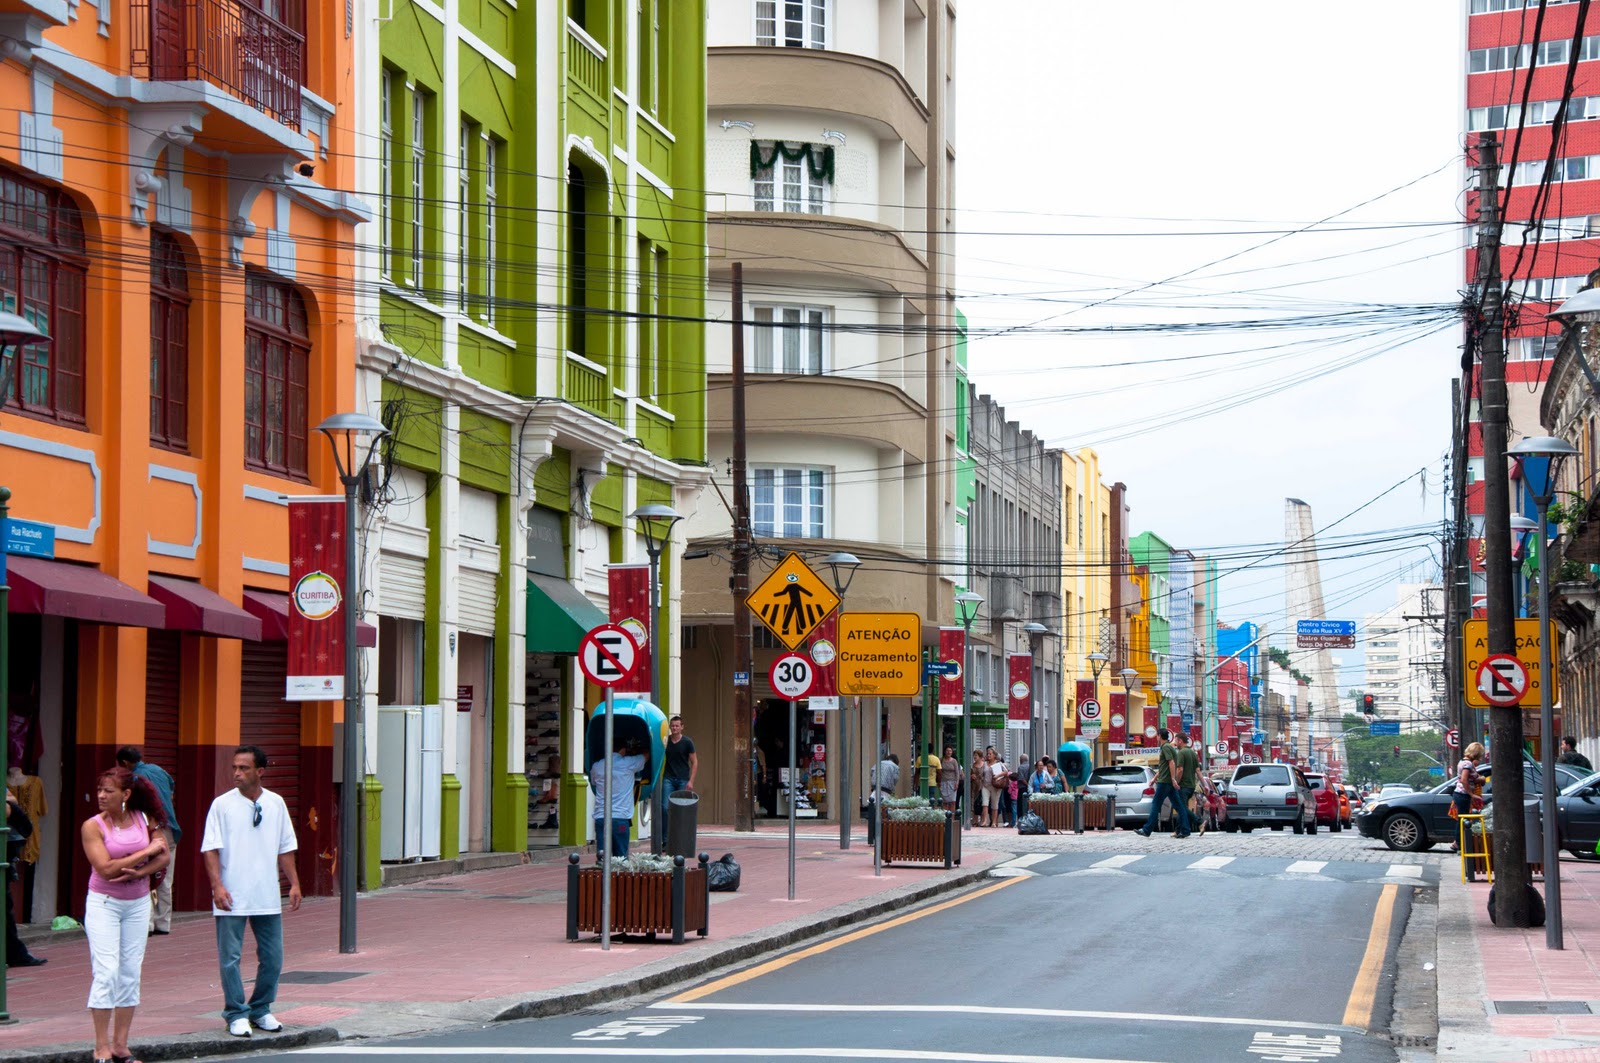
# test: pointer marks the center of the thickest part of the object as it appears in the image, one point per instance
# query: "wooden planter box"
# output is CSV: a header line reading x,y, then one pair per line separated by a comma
x,y
1097,815
1057,815
912,842
648,903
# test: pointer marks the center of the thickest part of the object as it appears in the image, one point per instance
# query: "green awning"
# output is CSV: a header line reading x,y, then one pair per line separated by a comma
x,y
558,615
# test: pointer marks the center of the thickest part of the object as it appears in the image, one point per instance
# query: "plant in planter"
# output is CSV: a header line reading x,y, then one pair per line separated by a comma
x,y
650,895
916,832
1058,810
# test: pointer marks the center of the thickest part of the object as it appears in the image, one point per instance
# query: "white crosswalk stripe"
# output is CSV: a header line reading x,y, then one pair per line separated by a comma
x,y
1211,863
1028,859
1306,867
1118,861
1404,870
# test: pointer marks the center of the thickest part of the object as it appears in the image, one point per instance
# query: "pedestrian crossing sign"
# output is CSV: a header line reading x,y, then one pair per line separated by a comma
x,y
792,601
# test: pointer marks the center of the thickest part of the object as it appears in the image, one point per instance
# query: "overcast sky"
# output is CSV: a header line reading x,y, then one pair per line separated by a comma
x,y
1093,136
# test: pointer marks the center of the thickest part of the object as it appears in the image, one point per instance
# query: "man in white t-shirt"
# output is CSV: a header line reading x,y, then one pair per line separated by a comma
x,y
248,841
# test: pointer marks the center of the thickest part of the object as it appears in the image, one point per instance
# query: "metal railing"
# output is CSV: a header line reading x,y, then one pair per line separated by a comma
x,y
242,48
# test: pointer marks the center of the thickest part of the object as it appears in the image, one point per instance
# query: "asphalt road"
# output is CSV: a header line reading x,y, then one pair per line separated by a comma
x,y
1153,954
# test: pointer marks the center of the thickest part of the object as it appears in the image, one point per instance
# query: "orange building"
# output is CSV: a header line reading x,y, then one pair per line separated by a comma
x,y
171,214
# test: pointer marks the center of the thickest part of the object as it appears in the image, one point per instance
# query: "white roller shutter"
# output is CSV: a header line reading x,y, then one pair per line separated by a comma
x,y
402,586
478,601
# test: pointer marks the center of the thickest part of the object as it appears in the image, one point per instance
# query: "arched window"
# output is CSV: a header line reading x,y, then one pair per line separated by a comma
x,y
169,342
43,272
277,366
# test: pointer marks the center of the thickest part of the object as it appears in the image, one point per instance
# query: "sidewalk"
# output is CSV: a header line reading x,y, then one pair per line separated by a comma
x,y
469,949
1503,996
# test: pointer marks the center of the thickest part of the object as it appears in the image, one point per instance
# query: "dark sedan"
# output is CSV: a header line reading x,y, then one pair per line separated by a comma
x,y
1579,810
1415,821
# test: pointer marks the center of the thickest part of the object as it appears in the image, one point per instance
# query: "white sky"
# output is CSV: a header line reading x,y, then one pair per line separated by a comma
x,y
1158,116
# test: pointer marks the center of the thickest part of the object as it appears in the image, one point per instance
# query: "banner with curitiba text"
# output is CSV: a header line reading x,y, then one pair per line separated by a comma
x,y
952,688
316,600
1019,709
629,592
823,649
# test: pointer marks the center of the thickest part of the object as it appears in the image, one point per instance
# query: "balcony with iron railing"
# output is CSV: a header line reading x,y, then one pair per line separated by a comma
x,y
253,51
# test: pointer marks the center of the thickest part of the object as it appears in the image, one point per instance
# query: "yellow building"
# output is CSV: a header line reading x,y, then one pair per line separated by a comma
x,y
1087,625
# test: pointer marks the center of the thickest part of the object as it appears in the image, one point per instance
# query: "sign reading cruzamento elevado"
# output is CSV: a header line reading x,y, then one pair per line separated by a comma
x,y
880,654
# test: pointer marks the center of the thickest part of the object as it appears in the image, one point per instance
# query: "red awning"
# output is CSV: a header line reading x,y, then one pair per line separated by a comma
x,y
272,609
192,607
78,592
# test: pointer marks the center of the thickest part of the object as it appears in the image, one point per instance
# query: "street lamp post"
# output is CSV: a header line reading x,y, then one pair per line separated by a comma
x,y
842,571
1036,633
967,603
346,433
1130,685
656,522
16,332
1553,450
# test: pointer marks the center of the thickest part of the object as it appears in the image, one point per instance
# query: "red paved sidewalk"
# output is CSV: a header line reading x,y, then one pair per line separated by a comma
x,y
490,939
1514,965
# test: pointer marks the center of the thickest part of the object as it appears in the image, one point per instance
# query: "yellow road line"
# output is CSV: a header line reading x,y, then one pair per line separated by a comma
x,y
1364,994
844,939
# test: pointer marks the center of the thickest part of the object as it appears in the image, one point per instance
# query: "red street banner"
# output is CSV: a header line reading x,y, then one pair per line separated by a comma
x,y
316,600
1196,733
1085,691
1117,725
823,649
1233,749
1277,751
629,608
952,688
1152,713
1019,710
1225,725
1174,722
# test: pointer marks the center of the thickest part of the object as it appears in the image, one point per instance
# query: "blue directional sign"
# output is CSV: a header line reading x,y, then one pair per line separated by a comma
x,y
29,537
941,668
1258,737
1436,771
1389,727
1188,720
1325,627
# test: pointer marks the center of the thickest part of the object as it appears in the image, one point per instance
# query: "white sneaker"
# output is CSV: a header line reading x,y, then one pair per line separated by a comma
x,y
268,1023
239,1027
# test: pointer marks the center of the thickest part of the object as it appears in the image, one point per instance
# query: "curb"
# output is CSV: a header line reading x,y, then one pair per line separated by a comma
x,y
1414,1022
191,1046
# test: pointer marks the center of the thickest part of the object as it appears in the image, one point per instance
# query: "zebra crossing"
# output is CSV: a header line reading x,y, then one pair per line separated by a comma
x,y
1055,865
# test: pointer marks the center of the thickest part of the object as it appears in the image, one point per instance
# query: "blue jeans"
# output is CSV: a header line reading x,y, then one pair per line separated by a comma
x,y
619,835
269,955
1165,791
670,784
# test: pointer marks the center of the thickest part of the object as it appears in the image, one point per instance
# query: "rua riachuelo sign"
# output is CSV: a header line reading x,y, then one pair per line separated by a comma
x,y
880,654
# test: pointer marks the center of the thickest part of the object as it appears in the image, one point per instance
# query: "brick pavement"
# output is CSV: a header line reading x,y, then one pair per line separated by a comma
x,y
469,948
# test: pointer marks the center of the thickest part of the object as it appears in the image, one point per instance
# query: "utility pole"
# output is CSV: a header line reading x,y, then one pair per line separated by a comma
x,y
743,657
1505,725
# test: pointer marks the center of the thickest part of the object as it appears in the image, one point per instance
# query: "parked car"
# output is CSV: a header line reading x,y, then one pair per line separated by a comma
x,y
1352,804
1578,811
1327,801
1392,788
1411,822
1129,787
1269,795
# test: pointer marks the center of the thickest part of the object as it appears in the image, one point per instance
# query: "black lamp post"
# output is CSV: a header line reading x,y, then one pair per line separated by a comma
x,y
842,567
967,603
16,332
1554,451
656,521
354,438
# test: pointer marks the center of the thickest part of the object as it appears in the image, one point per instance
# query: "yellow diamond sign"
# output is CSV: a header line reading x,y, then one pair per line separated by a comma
x,y
792,601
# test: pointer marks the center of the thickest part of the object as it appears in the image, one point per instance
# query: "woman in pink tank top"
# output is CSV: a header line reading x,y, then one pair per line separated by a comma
x,y
124,848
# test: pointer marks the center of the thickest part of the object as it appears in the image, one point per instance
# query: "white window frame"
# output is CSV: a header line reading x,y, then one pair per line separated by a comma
x,y
805,338
491,228
809,31
813,481
386,171
802,191
419,170
464,220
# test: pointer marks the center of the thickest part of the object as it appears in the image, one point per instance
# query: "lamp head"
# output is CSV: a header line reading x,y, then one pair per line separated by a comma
x,y
1035,628
1542,447
841,559
1098,662
350,430
1581,309
967,603
656,520
1519,523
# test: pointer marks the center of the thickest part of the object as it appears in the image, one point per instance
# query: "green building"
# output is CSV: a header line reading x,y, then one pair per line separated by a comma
x,y
529,327
1154,554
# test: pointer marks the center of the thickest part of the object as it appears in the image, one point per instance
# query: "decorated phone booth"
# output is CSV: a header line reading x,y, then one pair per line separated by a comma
x,y
637,721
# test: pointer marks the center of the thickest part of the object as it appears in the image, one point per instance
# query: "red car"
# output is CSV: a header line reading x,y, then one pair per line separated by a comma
x,y
1328,814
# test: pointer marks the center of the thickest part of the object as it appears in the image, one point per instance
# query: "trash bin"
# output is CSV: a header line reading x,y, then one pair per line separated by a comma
x,y
1533,830
683,813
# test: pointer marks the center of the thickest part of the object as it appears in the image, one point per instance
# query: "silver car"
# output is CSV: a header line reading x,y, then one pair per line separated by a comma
x,y
1269,795
1129,787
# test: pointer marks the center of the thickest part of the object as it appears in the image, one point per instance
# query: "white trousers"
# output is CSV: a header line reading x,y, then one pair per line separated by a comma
x,y
116,930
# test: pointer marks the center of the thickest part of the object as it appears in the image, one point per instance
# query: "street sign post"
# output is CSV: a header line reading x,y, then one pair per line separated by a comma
x,y
1383,727
606,654
880,654
1089,710
1475,647
1452,738
1324,634
1502,680
792,601
792,675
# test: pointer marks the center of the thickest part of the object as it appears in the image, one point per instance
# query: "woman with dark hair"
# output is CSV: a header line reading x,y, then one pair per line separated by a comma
x,y
125,847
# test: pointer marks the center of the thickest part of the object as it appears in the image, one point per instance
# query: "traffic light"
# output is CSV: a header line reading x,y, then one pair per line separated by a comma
x,y
1396,751
1369,706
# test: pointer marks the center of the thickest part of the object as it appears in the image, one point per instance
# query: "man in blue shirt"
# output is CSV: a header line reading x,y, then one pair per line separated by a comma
x,y
131,758
626,764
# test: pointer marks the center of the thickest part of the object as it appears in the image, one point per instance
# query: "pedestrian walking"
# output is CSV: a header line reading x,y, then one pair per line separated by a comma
x,y
975,790
1018,789
681,762
19,828
132,758
248,841
1469,784
626,764
1189,780
885,778
991,793
949,778
125,847
1167,790
1570,755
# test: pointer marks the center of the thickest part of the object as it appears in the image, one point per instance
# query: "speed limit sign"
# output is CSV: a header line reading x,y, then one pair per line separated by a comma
x,y
792,676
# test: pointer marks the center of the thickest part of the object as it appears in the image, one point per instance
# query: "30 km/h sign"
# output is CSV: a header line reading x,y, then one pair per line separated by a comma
x,y
1475,647
1502,680
606,654
791,676
792,601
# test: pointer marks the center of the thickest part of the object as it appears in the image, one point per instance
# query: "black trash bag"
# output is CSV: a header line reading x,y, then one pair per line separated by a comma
x,y
1535,906
722,876
1032,823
